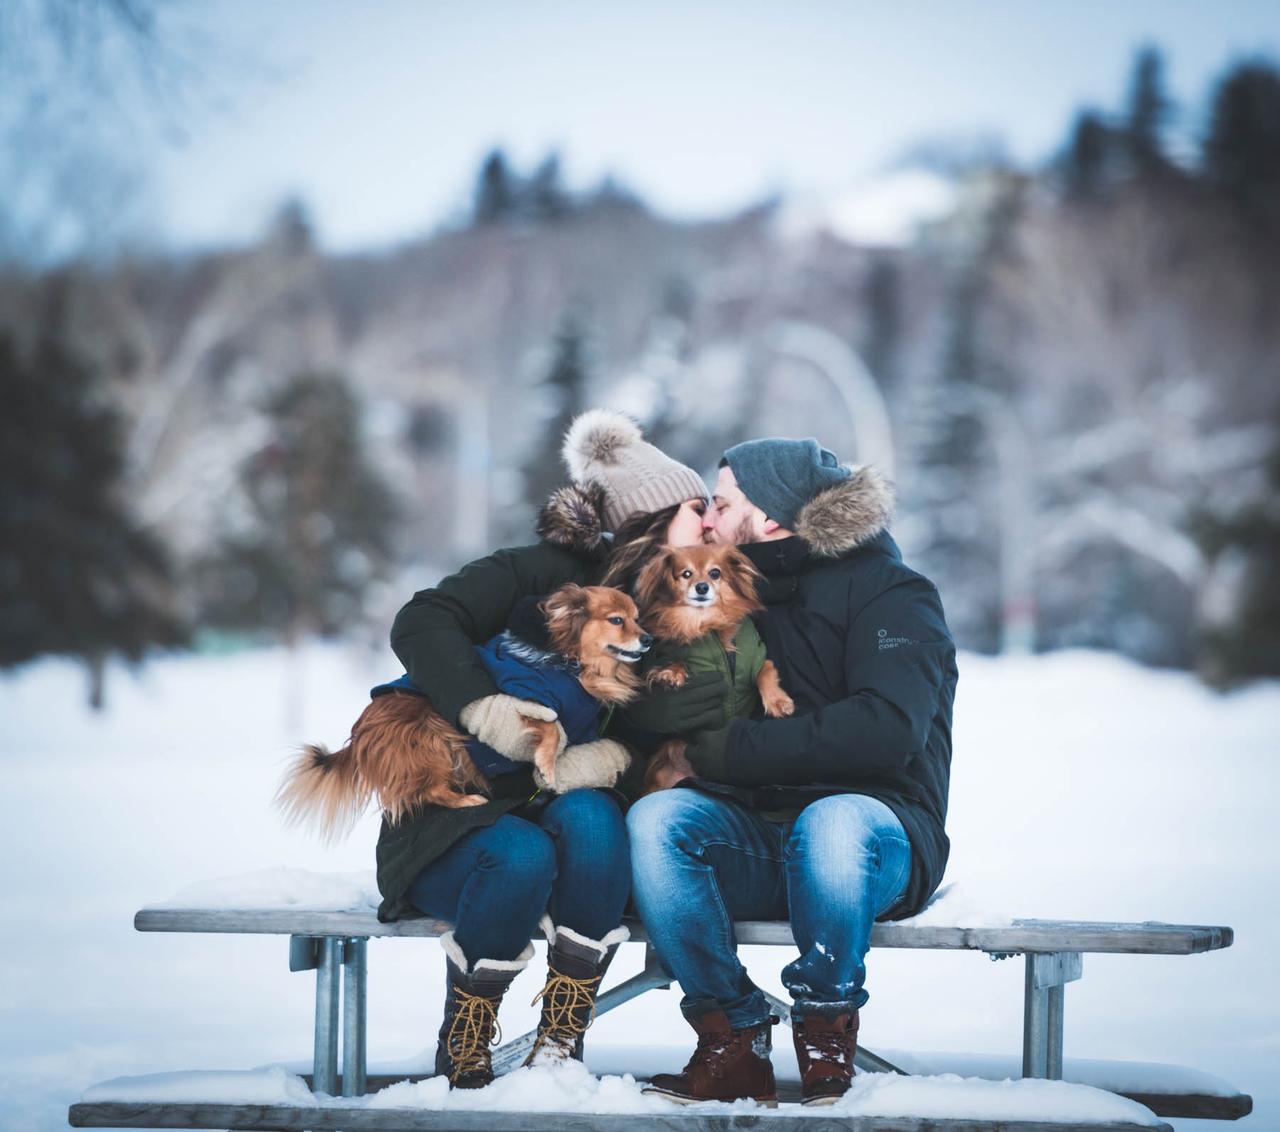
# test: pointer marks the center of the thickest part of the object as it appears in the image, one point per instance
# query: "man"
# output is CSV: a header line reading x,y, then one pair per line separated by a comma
x,y
832,818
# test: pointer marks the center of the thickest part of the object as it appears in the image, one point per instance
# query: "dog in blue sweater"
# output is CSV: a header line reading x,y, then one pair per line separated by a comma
x,y
572,652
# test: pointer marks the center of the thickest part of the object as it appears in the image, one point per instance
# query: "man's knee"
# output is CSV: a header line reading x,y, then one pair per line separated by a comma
x,y
838,823
667,816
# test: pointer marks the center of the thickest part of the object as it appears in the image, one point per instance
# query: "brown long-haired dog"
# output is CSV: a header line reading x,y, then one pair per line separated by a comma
x,y
403,753
686,593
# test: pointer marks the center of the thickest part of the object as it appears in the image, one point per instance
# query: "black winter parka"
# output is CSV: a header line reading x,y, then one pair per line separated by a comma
x,y
863,648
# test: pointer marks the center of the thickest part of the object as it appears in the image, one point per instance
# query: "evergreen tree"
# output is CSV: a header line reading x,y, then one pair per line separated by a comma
x,y
1249,645
317,524
1148,111
883,298
496,191
546,197
1242,149
1087,167
291,229
78,575
562,393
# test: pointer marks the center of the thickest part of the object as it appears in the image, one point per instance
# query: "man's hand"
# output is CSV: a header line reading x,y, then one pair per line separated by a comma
x,y
501,721
599,763
707,754
696,705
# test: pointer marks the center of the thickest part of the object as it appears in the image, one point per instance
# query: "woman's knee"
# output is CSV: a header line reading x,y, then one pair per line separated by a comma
x,y
520,852
589,812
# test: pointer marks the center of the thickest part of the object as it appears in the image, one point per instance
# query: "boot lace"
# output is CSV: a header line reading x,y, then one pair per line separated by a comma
x,y
568,1008
474,1029
713,1049
831,1046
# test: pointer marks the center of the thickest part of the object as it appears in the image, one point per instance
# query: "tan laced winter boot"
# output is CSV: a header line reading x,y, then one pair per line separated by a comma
x,y
575,967
727,1065
470,1023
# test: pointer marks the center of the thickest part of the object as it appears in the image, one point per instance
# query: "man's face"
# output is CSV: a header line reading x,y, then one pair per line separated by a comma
x,y
732,518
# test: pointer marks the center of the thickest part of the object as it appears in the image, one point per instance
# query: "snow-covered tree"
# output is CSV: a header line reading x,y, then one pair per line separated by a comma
x,y
314,525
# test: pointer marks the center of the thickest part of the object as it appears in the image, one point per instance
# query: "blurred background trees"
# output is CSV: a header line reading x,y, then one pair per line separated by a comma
x,y
1079,366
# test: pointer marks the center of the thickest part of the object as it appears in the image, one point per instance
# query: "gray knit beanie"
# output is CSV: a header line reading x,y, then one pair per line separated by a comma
x,y
606,448
781,476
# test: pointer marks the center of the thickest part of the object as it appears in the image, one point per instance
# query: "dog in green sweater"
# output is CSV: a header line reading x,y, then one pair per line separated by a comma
x,y
697,602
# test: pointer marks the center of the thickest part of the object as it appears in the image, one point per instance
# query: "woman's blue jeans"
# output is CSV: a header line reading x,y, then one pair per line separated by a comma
x,y
568,858
700,861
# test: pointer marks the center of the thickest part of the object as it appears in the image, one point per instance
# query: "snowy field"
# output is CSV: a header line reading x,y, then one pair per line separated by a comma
x,y
1082,786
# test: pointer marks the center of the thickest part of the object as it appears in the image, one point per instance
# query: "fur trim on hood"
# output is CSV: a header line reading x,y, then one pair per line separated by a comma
x,y
847,515
573,517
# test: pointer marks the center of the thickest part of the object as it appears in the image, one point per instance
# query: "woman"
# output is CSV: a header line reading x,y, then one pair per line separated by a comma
x,y
528,858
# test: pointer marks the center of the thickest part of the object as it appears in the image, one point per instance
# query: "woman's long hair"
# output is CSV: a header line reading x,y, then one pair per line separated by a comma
x,y
633,545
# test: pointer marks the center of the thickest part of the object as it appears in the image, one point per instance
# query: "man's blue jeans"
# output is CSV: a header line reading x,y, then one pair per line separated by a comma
x,y
700,861
568,858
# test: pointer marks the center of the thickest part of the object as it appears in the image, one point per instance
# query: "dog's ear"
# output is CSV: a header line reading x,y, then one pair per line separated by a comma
x,y
567,611
651,582
744,576
743,580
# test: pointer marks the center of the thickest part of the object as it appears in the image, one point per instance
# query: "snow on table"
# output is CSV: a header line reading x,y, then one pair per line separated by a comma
x,y
1148,1077
282,888
572,1088
951,906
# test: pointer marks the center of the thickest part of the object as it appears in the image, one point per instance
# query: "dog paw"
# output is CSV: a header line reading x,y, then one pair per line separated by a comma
x,y
780,706
472,800
672,676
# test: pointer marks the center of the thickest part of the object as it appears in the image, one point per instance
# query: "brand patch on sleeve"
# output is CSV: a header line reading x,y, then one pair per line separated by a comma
x,y
884,641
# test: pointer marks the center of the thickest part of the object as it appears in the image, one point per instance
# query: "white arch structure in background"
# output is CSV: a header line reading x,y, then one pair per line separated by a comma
x,y
848,375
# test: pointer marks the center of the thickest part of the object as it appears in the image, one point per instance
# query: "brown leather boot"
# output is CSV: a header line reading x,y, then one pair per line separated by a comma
x,y
727,1065
825,1049
575,967
470,1023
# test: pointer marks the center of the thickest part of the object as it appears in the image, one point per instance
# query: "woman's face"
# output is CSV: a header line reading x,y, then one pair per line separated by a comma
x,y
686,526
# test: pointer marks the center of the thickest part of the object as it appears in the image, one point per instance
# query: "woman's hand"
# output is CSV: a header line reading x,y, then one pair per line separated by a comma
x,y
502,722
599,763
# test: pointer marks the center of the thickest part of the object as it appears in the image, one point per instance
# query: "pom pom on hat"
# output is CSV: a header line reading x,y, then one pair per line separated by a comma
x,y
597,437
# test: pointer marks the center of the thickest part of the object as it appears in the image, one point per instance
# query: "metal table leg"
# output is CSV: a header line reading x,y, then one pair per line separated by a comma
x,y
325,1062
1047,976
355,1014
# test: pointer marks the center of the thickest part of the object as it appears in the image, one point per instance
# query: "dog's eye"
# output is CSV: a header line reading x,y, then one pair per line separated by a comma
x,y
616,621
713,574
686,574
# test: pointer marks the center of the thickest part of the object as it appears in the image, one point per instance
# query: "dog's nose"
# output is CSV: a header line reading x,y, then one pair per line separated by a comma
x,y
645,640
702,587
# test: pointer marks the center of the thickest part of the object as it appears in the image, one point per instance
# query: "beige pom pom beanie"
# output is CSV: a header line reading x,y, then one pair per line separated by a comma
x,y
606,448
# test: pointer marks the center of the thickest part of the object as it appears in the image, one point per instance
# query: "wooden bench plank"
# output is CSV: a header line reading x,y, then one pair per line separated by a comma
x,y
1022,936
323,1118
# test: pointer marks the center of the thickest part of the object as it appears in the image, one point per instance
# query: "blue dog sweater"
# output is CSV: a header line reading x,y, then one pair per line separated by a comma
x,y
550,682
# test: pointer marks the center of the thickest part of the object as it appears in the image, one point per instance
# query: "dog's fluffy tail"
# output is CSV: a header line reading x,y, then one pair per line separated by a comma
x,y
324,790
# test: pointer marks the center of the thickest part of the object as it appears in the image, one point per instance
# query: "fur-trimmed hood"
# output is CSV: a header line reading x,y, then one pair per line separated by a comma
x,y
847,515
573,517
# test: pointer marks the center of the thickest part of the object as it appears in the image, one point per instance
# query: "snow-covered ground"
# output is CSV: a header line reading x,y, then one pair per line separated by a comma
x,y
1081,786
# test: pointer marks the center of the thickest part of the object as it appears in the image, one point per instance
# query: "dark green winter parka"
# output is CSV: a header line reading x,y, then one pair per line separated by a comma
x,y
863,648
433,637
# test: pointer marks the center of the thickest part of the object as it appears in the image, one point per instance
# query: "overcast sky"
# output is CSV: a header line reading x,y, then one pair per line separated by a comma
x,y
378,113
